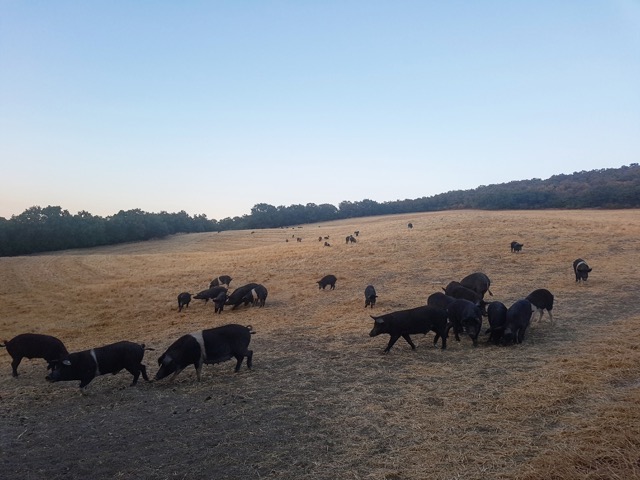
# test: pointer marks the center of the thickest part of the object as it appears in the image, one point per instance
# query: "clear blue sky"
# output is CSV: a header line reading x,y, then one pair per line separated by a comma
x,y
213,106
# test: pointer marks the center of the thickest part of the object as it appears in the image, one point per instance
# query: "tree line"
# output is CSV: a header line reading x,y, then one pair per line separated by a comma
x,y
52,228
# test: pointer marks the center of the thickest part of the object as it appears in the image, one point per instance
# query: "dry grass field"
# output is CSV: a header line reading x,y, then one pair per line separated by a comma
x,y
322,401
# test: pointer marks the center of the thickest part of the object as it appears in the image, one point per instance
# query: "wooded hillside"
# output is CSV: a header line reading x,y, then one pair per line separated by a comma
x,y
52,228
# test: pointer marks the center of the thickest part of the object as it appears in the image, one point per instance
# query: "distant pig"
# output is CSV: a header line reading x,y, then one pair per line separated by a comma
x,y
241,295
257,296
183,300
88,364
33,345
327,280
219,301
209,293
221,280
581,269
370,296
542,299
214,345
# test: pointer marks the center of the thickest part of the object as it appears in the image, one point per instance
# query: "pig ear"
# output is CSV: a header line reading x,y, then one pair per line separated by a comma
x,y
66,362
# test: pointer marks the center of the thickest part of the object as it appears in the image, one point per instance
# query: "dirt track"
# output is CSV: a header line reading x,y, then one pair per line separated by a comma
x,y
322,402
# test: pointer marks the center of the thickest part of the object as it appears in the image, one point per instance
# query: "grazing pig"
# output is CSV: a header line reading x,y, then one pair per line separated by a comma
x,y
183,300
33,345
214,345
478,282
465,316
257,296
327,280
518,318
88,364
450,287
221,280
581,269
239,295
412,321
440,300
542,299
497,313
457,291
370,296
210,293
516,247
219,301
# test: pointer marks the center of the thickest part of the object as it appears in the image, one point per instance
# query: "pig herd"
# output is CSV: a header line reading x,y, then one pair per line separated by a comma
x,y
251,293
214,345
461,307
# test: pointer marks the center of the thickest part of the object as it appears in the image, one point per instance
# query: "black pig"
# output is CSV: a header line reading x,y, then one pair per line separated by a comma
x,y
518,318
542,299
327,280
412,321
465,316
34,345
497,313
88,364
183,300
370,296
214,345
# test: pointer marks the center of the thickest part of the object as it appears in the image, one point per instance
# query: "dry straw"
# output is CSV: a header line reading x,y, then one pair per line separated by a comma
x,y
322,402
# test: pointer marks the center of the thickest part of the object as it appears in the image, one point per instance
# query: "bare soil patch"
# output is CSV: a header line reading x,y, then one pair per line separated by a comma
x,y
322,402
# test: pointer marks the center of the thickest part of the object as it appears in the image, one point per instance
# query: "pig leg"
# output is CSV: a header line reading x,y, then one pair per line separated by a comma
x,y
175,374
14,366
136,375
239,359
85,381
455,331
444,340
198,366
408,339
393,339
143,369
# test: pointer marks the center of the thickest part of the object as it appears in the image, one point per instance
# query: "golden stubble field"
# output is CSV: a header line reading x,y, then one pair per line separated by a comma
x,y
322,401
